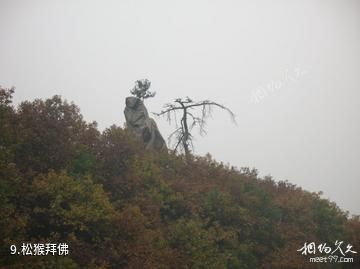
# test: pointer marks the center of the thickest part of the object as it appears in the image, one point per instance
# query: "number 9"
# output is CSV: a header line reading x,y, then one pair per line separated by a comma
x,y
13,249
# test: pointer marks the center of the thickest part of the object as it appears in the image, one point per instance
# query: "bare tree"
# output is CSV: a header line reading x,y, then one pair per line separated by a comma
x,y
141,89
182,137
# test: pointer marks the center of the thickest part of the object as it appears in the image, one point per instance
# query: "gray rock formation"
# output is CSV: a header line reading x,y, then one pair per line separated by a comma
x,y
142,126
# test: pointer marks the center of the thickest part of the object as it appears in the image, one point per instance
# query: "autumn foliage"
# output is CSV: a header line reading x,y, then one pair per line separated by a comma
x,y
118,206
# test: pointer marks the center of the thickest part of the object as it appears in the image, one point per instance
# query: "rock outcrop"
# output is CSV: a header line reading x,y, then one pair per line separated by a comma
x,y
142,126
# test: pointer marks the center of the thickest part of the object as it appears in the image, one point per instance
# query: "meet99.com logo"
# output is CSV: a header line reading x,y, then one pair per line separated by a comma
x,y
337,252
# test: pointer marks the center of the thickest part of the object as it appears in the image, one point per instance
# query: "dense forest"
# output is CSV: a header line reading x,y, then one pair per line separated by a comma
x,y
119,206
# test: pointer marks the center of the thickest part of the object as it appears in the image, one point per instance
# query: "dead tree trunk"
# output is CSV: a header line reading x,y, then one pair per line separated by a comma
x,y
182,134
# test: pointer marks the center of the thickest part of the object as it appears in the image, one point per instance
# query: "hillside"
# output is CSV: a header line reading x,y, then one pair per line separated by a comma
x,y
119,206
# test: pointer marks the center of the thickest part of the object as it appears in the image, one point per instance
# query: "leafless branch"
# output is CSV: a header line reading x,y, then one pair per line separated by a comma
x,y
189,120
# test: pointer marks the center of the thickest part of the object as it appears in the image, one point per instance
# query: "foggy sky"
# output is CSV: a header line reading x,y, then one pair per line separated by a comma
x,y
290,70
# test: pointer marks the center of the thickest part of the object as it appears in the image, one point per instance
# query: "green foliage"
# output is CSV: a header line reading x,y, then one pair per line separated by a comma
x,y
84,162
117,206
196,244
174,207
141,89
63,204
219,207
50,134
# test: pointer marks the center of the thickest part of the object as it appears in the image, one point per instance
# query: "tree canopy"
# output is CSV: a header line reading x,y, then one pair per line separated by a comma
x,y
141,89
118,206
